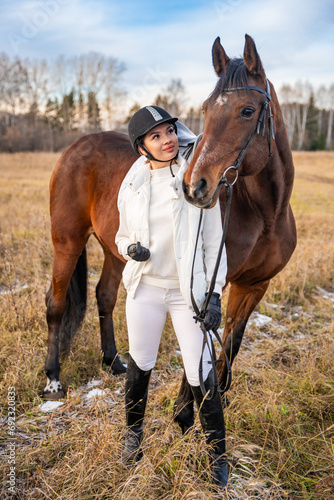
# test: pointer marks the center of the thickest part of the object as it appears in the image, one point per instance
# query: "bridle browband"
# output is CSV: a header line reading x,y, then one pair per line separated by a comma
x,y
200,314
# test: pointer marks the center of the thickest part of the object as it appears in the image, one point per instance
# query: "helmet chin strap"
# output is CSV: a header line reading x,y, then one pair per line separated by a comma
x,y
151,157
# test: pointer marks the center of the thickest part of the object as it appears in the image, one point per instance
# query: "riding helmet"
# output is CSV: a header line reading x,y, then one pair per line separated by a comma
x,y
144,120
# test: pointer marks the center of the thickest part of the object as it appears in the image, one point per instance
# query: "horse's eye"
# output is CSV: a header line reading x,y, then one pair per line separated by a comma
x,y
247,112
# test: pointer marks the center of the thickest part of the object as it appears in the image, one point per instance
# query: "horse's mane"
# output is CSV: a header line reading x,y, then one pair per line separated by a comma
x,y
234,75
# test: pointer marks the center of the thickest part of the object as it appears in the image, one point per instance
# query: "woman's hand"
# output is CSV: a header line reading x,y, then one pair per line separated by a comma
x,y
213,314
138,253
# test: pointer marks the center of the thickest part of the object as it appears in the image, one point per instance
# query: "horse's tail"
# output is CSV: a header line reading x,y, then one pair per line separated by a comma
x,y
76,302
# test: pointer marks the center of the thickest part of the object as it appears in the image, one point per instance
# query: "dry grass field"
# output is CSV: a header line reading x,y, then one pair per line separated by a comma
x,y
280,423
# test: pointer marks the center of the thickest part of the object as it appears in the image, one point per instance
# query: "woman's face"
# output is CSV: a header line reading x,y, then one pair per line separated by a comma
x,y
161,142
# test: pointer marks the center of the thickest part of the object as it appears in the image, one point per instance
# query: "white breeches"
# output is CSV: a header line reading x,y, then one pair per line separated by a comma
x,y
146,317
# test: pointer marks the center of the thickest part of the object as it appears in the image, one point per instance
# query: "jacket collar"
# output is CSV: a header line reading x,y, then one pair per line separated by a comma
x,y
140,174
176,183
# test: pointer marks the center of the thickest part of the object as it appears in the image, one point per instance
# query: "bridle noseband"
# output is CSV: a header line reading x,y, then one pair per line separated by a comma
x,y
260,123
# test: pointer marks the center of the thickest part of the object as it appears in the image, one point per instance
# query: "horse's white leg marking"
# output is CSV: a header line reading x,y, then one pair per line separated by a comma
x,y
52,386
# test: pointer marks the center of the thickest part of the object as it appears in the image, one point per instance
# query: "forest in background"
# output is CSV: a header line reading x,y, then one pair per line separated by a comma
x,y
46,107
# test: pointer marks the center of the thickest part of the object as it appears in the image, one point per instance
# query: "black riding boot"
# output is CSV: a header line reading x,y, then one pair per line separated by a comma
x,y
212,420
136,390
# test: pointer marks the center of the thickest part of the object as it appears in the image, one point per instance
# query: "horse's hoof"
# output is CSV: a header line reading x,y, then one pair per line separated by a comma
x,y
118,368
53,396
115,365
225,402
186,429
53,390
186,422
192,433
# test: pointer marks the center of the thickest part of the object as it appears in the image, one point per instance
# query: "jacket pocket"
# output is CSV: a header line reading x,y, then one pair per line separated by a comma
x,y
128,275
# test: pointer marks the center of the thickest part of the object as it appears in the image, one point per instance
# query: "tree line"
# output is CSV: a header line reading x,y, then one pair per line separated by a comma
x,y
46,107
308,115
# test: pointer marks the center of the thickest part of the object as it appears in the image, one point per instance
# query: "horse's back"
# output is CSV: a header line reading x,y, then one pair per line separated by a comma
x,y
85,183
93,157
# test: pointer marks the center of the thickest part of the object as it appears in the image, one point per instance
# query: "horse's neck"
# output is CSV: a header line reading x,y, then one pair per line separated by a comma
x,y
281,161
269,191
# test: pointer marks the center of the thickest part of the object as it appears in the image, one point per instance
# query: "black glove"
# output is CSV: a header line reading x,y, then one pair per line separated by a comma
x,y
138,253
213,315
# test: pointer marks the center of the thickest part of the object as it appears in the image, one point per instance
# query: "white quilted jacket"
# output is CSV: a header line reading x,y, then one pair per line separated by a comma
x,y
133,205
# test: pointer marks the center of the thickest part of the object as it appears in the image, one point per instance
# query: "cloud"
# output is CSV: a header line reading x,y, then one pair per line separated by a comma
x,y
159,41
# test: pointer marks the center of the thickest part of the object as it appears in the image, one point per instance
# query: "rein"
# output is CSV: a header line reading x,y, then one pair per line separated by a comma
x,y
200,314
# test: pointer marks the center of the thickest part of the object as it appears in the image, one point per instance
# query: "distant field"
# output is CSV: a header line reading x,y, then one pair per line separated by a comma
x,y
314,186
280,423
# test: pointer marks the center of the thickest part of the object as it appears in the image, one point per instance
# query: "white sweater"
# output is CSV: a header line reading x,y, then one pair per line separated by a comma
x,y
160,269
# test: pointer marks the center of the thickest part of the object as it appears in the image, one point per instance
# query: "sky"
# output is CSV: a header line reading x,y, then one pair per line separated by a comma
x,y
163,40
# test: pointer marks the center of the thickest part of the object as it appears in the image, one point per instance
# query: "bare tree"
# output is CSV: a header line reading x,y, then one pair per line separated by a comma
x,y
173,98
112,93
78,65
13,87
38,73
96,79
303,94
289,109
320,100
330,117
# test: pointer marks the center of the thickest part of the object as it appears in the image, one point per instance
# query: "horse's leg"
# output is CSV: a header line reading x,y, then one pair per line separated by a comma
x,y
184,406
106,294
242,301
65,258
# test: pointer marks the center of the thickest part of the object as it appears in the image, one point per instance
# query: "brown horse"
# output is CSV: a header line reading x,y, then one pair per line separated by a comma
x,y
261,235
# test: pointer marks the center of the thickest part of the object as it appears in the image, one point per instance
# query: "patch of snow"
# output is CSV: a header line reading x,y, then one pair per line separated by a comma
x,y
259,320
94,383
13,290
299,336
94,393
50,406
273,306
280,328
326,295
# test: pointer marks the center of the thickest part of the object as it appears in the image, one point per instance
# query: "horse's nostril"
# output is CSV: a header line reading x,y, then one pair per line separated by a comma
x,y
200,189
185,188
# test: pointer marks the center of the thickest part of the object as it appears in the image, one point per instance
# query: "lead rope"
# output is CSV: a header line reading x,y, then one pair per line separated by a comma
x,y
200,315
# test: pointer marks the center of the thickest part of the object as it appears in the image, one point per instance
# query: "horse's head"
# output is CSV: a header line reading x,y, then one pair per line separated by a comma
x,y
234,112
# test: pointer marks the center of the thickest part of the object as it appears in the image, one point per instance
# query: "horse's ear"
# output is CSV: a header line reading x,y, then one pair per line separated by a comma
x,y
252,59
219,57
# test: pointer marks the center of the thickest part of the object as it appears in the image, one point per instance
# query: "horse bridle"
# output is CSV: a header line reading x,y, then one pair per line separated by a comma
x,y
200,314
260,122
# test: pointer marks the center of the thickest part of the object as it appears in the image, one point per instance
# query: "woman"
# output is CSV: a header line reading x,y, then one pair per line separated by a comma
x,y
157,236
